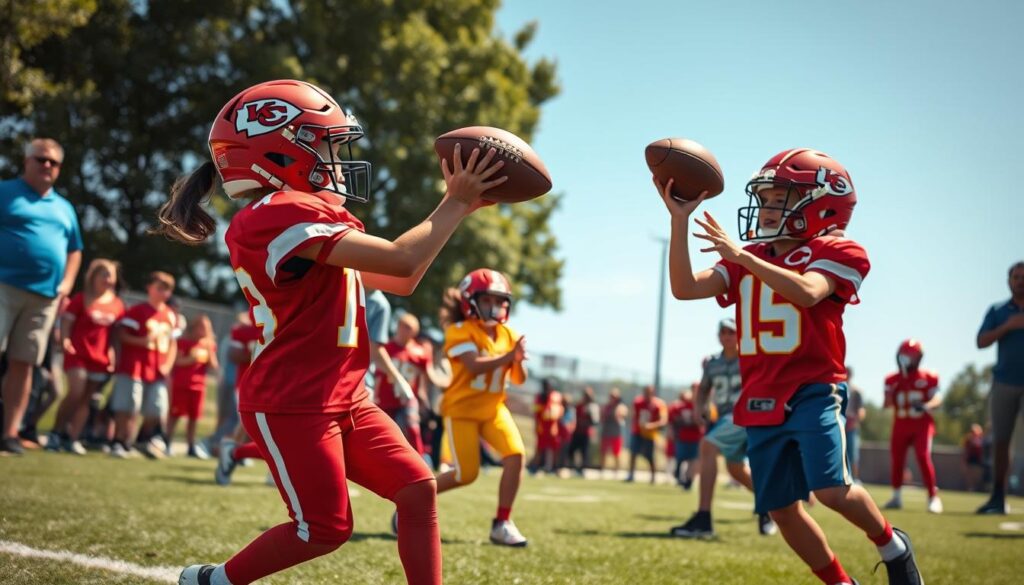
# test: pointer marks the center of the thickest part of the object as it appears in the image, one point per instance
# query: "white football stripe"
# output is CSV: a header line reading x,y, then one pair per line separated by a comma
x,y
165,574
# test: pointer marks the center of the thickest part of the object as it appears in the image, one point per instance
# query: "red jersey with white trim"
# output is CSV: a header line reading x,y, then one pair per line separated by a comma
x,y
244,337
313,349
143,320
647,411
547,412
908,393
682,417
784,346
193,376
90,332
411,361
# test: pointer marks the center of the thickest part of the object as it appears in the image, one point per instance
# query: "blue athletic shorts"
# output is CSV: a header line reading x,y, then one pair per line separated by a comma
x,y
807,452
686,450
730,439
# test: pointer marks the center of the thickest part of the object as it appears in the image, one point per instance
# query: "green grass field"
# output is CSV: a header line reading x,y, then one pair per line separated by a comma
x,y
169,513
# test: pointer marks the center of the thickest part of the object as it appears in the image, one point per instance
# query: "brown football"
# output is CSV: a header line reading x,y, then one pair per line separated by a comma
x,y
692,166
528,178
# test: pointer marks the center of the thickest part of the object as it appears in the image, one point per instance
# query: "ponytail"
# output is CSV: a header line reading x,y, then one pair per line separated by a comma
x,y
451,307
182,217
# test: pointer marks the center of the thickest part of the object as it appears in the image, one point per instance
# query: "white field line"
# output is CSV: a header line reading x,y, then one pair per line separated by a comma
x,y
165,574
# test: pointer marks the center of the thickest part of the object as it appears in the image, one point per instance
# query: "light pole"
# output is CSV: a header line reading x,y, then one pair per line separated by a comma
x,y
661,315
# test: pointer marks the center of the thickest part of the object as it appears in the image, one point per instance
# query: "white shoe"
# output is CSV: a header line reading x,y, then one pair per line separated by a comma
x,y
225,462
196,575
935,505
76,447
505,533
118,451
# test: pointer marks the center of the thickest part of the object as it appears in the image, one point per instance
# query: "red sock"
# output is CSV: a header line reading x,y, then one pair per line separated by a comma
x,y
883,538
419,535
504,513
248,450
830,574
273,551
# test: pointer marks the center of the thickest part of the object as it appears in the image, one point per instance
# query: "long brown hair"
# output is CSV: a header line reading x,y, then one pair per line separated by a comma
x,y
451,307
182,217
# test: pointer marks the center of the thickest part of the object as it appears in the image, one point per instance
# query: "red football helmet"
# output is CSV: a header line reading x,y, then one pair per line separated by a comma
x,y
283,135
909,355
819,197
484,281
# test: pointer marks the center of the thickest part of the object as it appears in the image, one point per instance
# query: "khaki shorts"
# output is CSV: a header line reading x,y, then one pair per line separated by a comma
x,y
26,320
1007,403
135,396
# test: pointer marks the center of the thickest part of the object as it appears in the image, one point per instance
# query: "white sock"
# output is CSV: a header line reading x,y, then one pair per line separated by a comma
x,y
219,577
893,549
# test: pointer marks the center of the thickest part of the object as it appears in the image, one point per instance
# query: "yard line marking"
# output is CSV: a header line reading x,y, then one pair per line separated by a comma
x,y
1012,526
165,574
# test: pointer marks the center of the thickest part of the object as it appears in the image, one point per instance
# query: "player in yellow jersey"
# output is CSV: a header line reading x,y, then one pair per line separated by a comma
x,y
485,355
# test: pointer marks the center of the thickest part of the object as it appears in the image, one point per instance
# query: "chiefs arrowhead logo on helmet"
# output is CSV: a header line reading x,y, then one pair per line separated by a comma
x,y
833,182
263,116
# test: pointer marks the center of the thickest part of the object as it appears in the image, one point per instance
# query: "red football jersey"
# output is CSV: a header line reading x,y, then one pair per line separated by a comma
x,y
90,333
905,392
244,337
143,363
410,360
193,376
544,424
313,350
682,416
647,411
783,346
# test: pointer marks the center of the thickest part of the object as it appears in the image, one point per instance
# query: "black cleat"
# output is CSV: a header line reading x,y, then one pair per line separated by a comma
x,y
903,570
698,526
994,505
11,446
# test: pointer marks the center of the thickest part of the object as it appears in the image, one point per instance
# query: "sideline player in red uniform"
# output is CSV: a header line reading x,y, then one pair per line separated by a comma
x,y
401,393
913,393
197,354
650,415
301,260
790,288
88,354
687,429
547,411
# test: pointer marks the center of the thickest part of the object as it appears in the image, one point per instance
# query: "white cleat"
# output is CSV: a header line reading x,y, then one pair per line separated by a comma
x,y
196,575
935,505
896,503
505,533
225,462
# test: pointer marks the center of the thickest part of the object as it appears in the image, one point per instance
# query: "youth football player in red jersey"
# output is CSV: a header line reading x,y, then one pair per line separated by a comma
x,y
147,355
913,393
400,394
547,411
686,431
197,354
301,260
88,355
650,415
790,288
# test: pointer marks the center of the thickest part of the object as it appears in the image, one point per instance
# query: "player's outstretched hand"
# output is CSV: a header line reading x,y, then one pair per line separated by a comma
x,y
519,351
719,239
677,207
467,183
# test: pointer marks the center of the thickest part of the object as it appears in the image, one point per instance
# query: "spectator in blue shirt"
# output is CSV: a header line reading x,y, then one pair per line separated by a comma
x,y
42,251
1004,324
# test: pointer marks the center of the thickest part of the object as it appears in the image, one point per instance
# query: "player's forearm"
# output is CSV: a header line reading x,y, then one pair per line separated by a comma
x,y
383,361
478,364
680,270
66,323
800,289
136,340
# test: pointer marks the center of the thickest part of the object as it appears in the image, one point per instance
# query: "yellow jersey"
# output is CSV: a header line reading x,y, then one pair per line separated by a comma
x,y
477,397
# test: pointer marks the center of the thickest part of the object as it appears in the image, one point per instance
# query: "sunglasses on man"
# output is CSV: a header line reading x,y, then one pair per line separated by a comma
x,y
43,160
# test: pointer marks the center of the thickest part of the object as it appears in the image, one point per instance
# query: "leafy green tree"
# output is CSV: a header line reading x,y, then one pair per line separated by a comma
x,y
964,404
132,91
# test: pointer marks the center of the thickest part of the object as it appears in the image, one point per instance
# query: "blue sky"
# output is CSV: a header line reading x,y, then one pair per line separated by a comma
x,y
919,100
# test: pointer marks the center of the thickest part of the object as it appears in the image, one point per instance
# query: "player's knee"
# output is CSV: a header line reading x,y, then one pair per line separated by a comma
x,y
513,461
417,496
466,475
832,497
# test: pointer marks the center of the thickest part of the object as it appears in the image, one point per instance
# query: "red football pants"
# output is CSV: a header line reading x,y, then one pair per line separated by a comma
x,y
311,456
920,436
